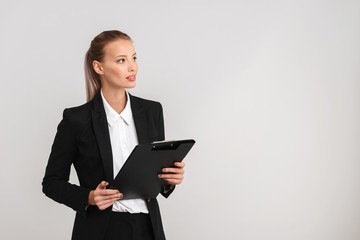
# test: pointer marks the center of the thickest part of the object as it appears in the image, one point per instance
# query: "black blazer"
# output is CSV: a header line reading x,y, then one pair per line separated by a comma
x,y
83,139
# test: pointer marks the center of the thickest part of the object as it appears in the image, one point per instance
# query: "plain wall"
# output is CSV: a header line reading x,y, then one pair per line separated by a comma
x,y
268,89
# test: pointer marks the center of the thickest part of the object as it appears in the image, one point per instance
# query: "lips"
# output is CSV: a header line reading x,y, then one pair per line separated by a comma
x,y
131,78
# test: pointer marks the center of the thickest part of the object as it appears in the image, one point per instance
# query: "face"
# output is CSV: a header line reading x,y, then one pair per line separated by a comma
x,y
118,69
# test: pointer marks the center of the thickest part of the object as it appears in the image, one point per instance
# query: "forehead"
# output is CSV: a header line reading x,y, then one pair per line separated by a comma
x,y
119,47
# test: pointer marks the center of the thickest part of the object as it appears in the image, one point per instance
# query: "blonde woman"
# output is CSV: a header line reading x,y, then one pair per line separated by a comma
x,y
97,137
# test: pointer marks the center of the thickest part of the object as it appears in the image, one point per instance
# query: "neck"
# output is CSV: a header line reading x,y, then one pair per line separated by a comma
x,y
115,97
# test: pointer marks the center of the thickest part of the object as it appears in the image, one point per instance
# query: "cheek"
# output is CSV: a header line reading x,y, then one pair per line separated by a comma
x,y
118,72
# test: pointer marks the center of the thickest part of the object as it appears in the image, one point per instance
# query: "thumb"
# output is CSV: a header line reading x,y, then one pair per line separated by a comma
x,y
102,185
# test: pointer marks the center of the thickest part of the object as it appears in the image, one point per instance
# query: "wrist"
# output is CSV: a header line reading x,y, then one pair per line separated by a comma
x,y
91,198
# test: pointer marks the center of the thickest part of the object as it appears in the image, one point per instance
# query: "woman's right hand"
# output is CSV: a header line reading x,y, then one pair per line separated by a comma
x,y
102,197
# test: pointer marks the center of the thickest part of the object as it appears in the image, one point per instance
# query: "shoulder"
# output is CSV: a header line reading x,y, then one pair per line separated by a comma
x,y
78,113
76,118
146,104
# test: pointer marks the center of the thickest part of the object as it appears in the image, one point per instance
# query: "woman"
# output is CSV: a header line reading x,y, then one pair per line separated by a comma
x,y
97,137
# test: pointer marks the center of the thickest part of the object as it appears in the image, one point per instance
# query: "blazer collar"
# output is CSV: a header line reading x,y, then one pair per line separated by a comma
x,y
112,116
100,127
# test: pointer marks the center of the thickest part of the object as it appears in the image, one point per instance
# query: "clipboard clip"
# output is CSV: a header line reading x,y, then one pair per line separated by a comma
x,y
160,146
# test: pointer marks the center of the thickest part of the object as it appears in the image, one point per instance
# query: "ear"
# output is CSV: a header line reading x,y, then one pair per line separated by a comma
x,y
98,68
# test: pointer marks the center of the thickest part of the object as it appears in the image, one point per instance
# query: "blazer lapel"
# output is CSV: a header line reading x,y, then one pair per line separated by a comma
x,y
138,113
101,131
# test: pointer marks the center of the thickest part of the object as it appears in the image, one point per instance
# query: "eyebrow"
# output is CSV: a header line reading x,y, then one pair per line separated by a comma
x,y
124,55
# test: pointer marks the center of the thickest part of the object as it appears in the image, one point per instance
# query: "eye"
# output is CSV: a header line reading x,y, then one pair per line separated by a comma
x,y
121,60
135,58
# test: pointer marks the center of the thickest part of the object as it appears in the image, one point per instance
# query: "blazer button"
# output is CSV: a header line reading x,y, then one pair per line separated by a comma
x,y
148,200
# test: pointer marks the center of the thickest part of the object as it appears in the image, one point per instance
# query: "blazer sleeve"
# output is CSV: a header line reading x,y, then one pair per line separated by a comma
x,y
169,188
55,183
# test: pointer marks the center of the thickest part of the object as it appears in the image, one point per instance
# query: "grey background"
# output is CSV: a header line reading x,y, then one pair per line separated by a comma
x,y
269,89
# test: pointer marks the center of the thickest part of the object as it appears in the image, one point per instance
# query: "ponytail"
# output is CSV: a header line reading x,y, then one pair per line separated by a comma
x,y
92,79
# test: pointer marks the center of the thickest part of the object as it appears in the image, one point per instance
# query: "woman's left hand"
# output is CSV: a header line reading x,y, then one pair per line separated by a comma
x,y
173,175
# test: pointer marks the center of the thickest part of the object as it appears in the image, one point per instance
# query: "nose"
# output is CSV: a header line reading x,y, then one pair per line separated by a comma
x,y
132,66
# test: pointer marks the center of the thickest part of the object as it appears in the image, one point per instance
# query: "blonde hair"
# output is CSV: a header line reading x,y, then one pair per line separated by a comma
x,y
96,52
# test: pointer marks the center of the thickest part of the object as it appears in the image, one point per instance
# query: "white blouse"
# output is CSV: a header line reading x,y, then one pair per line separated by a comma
x,y
123,140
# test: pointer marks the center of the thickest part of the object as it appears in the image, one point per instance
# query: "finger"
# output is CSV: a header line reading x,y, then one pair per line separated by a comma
x,y
102,185
106,192
179,164
103,207
174,181
171,176
111,200
101,202
173,170
105,204
101,198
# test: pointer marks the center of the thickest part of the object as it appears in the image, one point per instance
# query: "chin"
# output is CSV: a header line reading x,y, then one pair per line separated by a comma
x,y
132,85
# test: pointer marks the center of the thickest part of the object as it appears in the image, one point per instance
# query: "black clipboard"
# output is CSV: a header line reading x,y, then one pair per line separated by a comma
x,y
138,177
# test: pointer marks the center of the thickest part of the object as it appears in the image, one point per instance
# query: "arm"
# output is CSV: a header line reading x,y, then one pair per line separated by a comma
x,y
63,153
169,188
